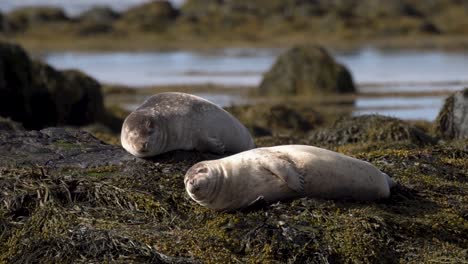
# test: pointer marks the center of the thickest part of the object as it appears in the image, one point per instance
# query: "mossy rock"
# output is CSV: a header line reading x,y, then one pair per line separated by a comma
x,y
154,16
8,124
96,21
38,96
23,18
370,128
306,70
77,97
99,14
452,121
268,119
67,197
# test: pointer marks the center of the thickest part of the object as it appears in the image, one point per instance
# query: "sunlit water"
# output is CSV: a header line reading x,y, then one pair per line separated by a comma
x,y
373,70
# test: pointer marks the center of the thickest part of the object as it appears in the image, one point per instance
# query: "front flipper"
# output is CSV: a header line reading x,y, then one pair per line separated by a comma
x,y
255,204
284,169
211,144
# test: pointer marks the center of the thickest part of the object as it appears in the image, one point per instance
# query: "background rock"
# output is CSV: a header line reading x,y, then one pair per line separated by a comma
x,y
306,70
23,18
370,128
38,96
154,16
452,121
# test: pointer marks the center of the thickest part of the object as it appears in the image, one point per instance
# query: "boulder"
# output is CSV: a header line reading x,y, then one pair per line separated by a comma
x,y
38,96
370,128
76,97
268,119
452,121
154,16
16,92
23,18
95,21
99,14
4,24
306,70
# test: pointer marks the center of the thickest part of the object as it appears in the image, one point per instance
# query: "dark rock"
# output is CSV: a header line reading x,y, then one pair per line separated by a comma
x,y
452,121
57,147
76,98
38,96
4,24
8,124
370,128
16,94
23,18
306,70
154,16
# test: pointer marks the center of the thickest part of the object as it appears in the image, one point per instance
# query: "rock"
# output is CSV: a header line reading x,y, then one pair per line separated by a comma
x,y
23,18
452,121
4,24
38,96
370,128
67,197
8,124
16,93
58,148
306,70
95,21
268,119
76,98
99,14
154,16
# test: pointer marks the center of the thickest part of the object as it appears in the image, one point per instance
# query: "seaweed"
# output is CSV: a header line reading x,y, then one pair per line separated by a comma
x,y
138,211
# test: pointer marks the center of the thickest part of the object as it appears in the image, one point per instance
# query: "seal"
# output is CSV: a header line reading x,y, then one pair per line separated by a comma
x,y
283,172
179,121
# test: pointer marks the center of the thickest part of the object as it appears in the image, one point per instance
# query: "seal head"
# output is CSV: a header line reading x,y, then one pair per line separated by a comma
x,y
140,135
202,183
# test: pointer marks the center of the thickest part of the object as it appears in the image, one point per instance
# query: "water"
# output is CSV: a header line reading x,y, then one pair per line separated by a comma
x,y
75,7
374,71
166,68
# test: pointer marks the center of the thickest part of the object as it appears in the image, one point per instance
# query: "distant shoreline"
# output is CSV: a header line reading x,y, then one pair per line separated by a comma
x,y
140,43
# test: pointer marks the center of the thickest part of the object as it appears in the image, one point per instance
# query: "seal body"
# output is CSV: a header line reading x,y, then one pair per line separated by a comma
x,y
179,121
283,172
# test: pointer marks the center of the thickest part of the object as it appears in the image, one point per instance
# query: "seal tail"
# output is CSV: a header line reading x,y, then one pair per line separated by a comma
x,y
390,181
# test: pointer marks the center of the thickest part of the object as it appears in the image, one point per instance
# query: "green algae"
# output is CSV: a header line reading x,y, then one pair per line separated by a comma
x,y
134,214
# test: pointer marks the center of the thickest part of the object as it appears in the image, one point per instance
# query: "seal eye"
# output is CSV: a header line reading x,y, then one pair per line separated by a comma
x,y
202,170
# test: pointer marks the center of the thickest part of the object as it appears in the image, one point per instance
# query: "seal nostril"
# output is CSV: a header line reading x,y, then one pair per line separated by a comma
x,y
192,181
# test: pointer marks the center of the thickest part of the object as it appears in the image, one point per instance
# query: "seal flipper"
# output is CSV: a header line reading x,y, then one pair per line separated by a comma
x,y
211,144
285,171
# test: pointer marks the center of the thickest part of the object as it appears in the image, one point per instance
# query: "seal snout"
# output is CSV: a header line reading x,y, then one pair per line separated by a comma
x,y
196,180
193,186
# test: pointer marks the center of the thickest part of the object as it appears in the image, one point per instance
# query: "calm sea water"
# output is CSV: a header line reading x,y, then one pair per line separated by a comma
x,y
373,70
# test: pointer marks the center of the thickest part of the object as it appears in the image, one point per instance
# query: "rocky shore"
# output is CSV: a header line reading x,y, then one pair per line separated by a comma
x,y
212,23
68,197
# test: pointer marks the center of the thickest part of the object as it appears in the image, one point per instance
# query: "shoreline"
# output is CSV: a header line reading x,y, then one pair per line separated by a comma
x,y
45,43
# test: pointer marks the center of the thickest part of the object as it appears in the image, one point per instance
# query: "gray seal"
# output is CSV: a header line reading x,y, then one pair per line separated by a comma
x,y
179,121
284,172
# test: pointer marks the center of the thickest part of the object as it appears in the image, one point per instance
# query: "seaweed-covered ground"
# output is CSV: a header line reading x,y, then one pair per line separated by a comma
x,y
68,197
